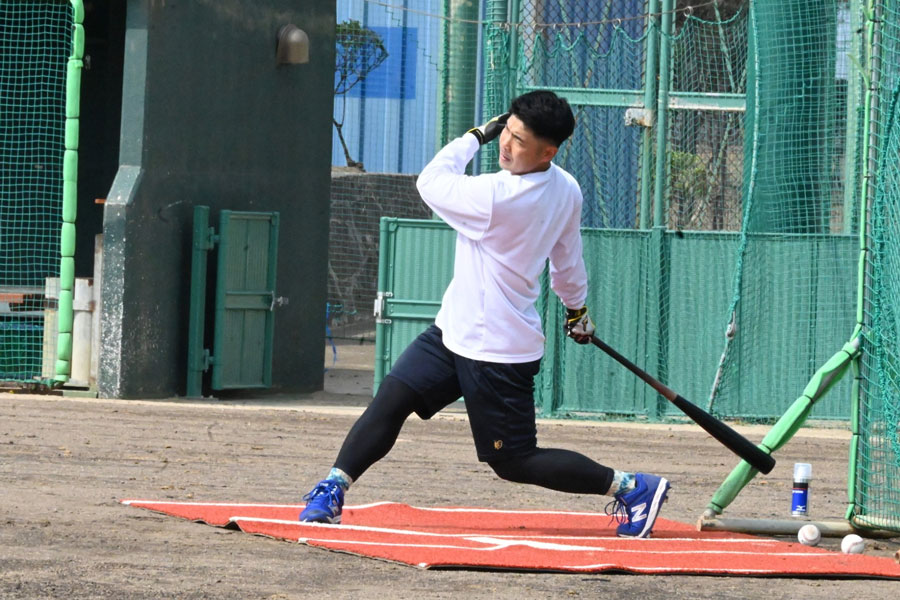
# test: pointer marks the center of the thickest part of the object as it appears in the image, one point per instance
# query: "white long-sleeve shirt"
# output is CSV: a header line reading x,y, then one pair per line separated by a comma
x,y
507,227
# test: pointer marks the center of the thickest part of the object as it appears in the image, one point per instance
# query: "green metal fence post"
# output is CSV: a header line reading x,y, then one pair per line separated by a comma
x,y
662,111
657,344
514,18
386,226
197,357
651,67
658,325
855,110
495,100
459,53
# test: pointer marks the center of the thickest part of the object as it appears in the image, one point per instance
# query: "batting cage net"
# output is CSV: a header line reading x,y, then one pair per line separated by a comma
x,y
720,239
875,470
794,263
39,51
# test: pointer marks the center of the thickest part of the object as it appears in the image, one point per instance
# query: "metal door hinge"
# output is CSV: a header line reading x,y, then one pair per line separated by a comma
x,y
278,301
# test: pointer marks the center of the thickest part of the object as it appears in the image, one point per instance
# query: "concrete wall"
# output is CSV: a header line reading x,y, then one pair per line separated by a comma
x,y
208,118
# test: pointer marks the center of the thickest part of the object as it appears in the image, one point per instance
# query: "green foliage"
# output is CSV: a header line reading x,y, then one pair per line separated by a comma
x,y
688,177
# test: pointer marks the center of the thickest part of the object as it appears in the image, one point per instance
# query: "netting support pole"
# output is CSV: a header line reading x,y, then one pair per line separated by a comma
x,y
662,111
387,227
834,529
497,39
785,428
513,61
64,341
854,440
871,68
651,65
459,55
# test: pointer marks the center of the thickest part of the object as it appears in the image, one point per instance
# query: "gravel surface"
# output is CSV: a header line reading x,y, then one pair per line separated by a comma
x,y
66,463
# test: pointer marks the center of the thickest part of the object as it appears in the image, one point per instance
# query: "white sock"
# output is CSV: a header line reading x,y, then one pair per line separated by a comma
x,y
344,480
622,482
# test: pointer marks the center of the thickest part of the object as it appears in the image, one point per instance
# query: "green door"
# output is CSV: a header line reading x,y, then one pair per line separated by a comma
x,y
245,300
415,265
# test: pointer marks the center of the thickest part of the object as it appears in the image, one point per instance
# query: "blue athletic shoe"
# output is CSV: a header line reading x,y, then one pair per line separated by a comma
x,y
324,503
636,510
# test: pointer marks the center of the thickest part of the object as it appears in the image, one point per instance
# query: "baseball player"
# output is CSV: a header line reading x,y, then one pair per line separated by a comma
x,y
486,343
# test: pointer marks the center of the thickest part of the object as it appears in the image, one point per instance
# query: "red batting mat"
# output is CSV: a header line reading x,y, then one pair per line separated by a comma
x,y
530,540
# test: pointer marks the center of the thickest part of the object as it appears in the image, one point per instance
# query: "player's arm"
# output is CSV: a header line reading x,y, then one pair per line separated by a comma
x,y
464,202
568,278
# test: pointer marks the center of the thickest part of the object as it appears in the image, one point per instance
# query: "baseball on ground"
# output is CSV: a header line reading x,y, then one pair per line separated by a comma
x,y
853,544
809,535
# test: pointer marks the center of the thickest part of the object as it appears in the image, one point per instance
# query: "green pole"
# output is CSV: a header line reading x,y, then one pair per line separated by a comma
x,y
855,114
854,441
867,192
659,261
63,367
650,90
513,50
197,358
495,97
662,108
459,55
386,228
784,429
443,83
750,109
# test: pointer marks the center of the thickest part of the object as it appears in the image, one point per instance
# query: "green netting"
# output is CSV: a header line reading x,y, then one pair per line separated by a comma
x,y
793,289
682,166
875,488
705,147
580,49
724,150
36,42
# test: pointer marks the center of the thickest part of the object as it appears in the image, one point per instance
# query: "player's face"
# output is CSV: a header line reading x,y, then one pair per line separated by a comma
x,y
521,151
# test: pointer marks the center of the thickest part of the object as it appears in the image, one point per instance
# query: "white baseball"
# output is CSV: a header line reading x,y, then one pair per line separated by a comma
x,y
853,544
809,535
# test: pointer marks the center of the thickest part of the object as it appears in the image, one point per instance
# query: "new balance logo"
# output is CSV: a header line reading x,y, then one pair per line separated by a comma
x,y
638,512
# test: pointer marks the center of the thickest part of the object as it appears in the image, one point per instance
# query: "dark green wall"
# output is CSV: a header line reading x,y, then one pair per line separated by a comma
x,y
101,113
208,118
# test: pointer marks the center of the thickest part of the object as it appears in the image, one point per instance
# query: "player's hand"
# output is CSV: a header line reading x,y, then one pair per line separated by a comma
x,y
490,130
578,325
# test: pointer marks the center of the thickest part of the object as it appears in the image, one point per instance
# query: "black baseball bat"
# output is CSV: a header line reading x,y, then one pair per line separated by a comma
x,y
731,439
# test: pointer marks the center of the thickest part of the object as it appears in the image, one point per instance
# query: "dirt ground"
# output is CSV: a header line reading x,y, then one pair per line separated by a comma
x,y
66,462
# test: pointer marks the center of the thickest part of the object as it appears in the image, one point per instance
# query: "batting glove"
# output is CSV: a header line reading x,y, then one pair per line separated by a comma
x,y
490,130
578,325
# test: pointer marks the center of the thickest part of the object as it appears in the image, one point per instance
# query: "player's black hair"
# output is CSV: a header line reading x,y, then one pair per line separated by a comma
x,y
546,114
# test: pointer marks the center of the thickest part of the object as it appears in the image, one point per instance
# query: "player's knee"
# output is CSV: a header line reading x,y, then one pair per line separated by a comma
x,y
396,398
513,469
